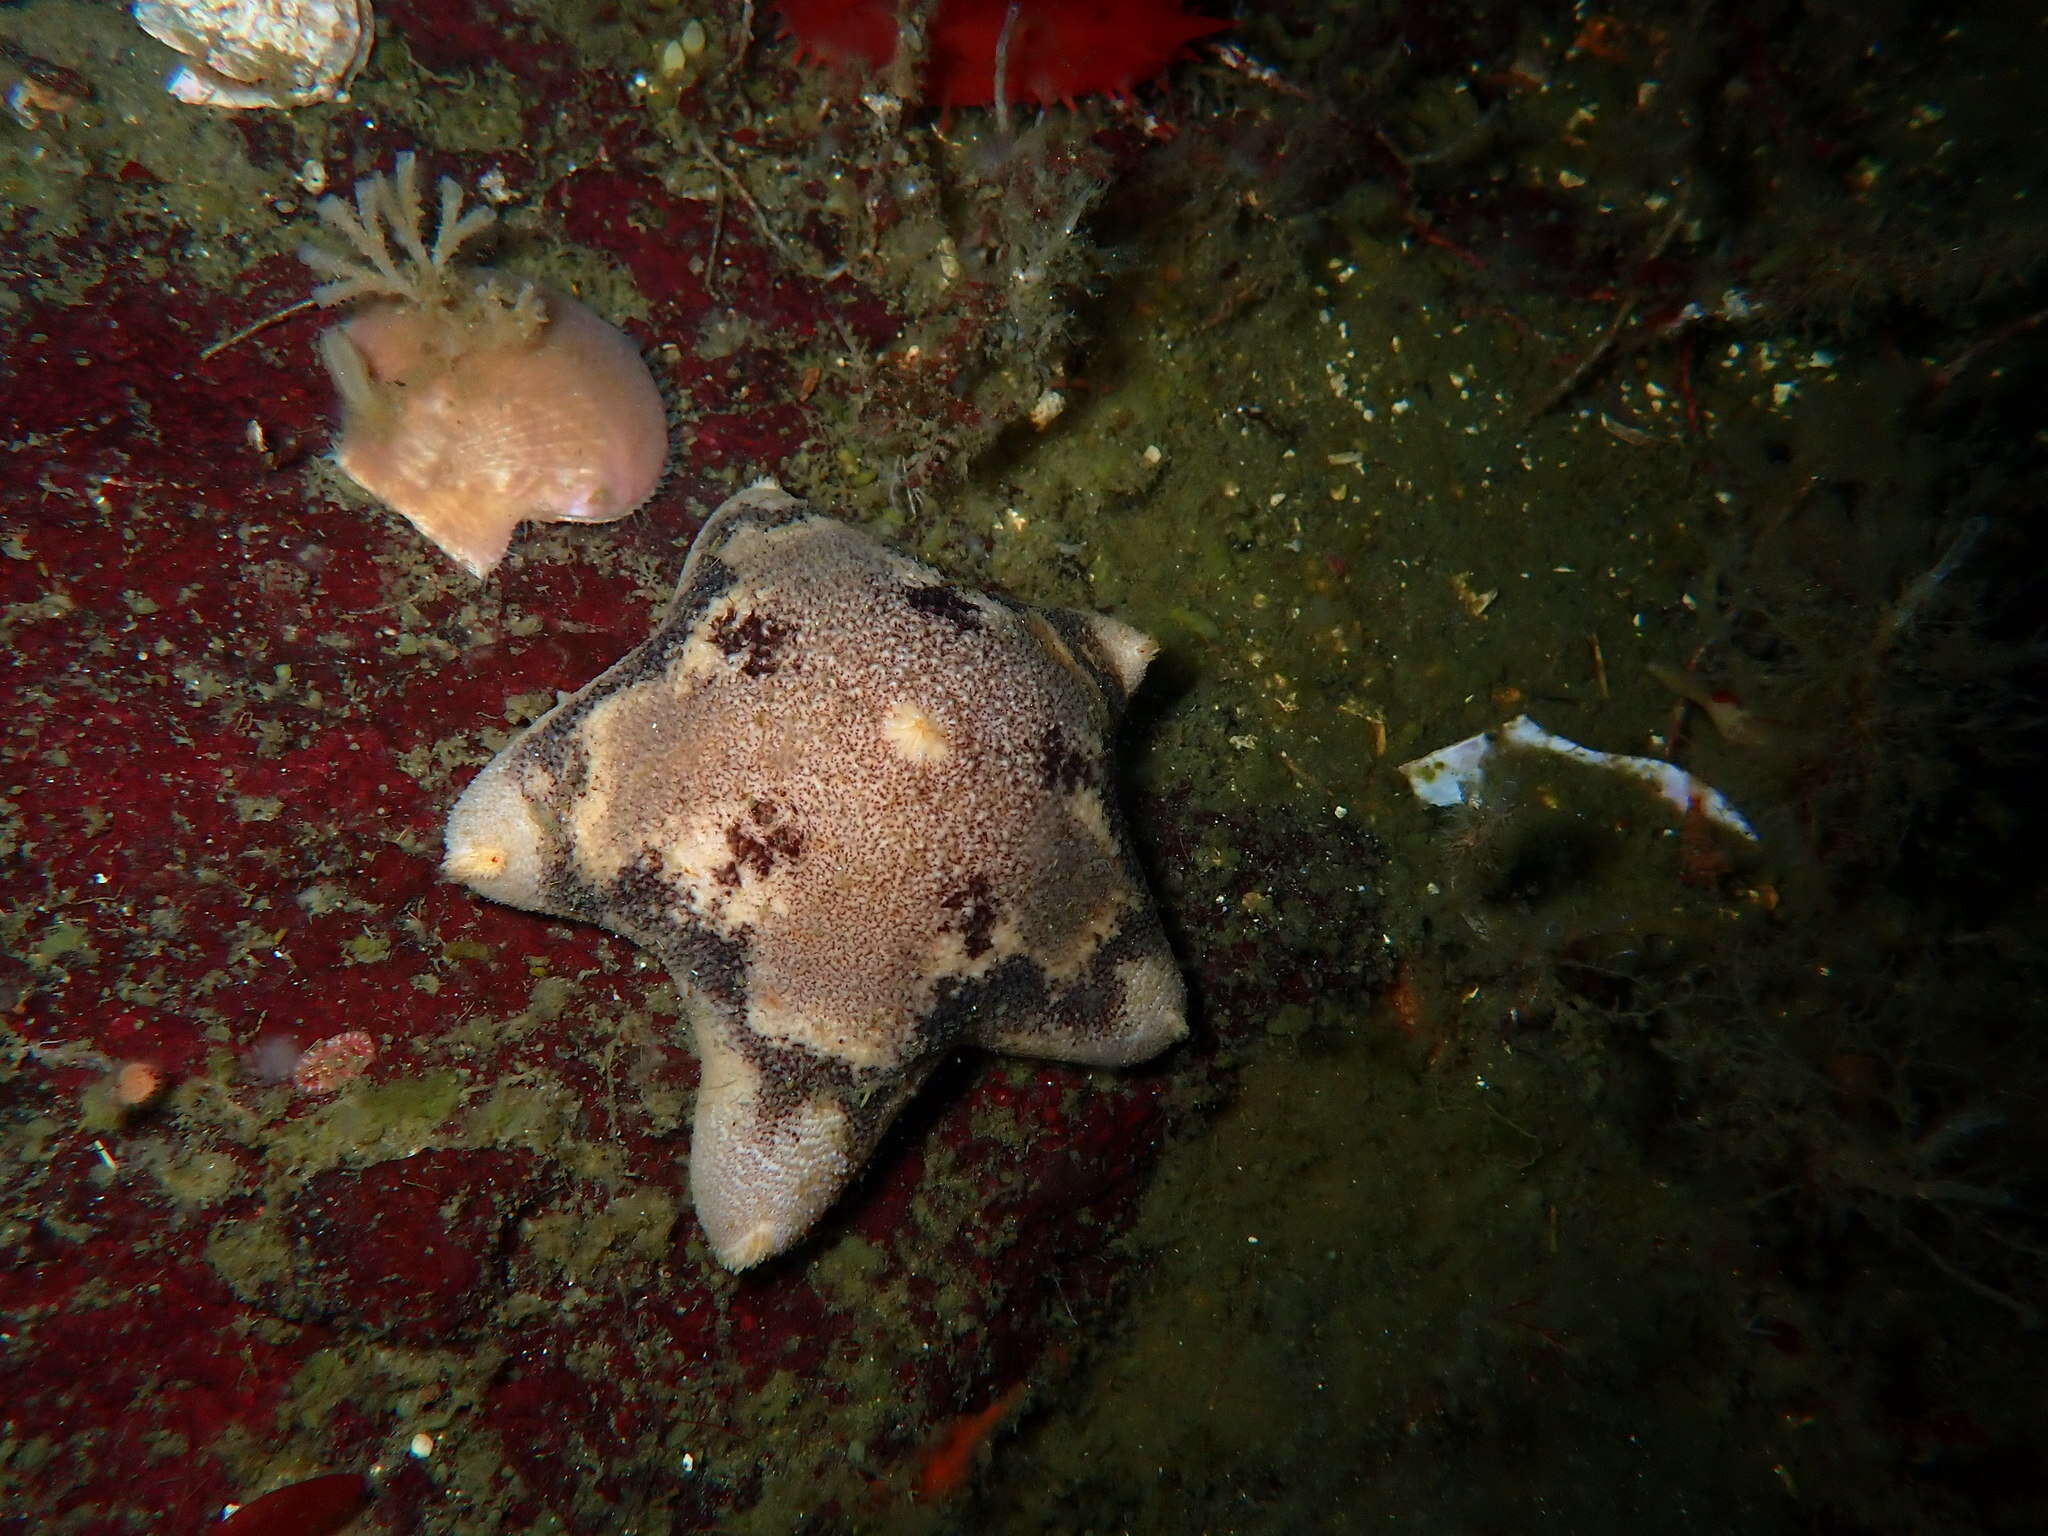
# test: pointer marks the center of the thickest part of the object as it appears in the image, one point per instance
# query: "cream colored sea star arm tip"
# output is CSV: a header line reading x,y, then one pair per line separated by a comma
x,y
1127,649
474,863
743,1251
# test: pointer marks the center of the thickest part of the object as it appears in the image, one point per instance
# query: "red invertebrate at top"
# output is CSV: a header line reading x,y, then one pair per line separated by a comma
x,y
1058,50
316,1507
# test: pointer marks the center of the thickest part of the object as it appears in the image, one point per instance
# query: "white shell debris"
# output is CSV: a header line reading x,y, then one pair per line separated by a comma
x,y
260,53
1457,773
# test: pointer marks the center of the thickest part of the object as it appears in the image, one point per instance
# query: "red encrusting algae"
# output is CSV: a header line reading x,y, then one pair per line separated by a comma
x,y
295,659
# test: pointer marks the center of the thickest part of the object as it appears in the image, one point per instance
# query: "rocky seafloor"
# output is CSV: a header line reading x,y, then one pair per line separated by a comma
x,y
1550,1161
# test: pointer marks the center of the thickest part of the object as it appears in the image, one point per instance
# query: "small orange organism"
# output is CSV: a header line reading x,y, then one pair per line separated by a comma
x,y
326,1066
947,1465
473,400
138,1084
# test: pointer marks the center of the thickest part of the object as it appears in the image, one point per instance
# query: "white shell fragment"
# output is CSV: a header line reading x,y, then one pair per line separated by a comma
x,y
260,53
1455,774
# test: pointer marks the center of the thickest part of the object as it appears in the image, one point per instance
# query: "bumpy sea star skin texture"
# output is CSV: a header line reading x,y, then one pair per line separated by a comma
x,y
864,816
471,400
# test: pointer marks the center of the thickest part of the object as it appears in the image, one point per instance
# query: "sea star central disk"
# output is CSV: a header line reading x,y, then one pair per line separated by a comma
x,y
864,816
